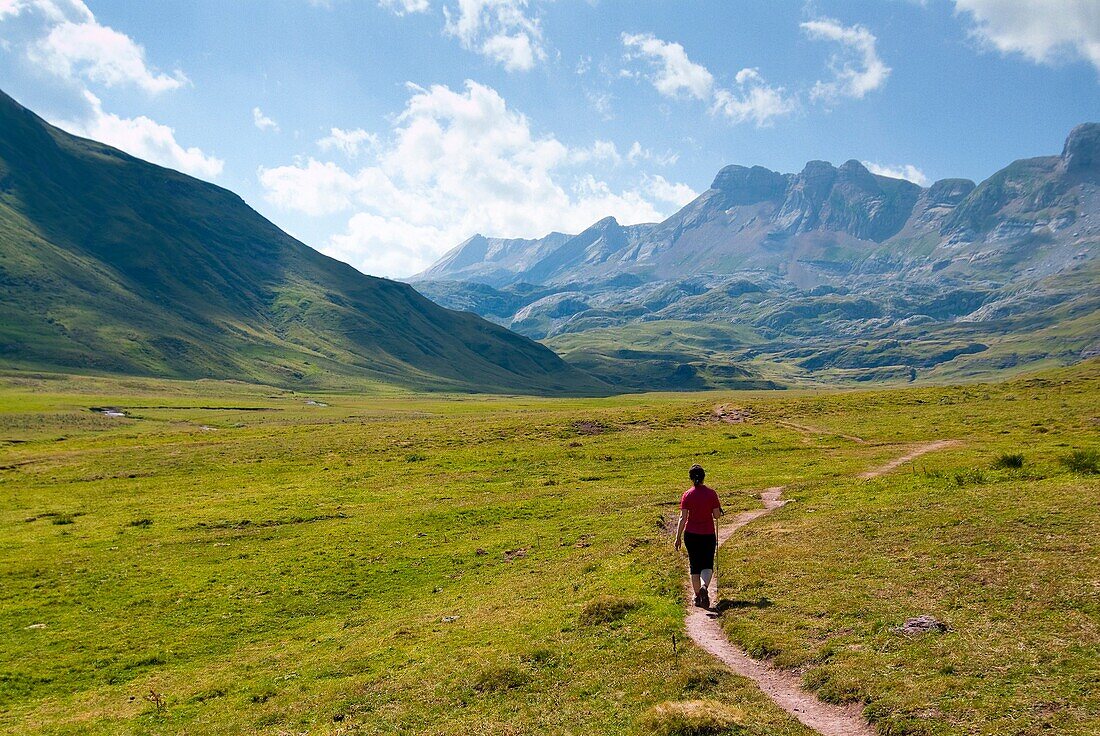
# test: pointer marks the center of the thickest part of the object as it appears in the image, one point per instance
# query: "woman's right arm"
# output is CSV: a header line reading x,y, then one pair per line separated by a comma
x,y
684,513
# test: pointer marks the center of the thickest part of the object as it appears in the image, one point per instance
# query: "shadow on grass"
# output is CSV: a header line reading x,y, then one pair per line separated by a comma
x,y
727,604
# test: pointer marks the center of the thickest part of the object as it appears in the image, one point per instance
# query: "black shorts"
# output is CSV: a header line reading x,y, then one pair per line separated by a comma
x,y
700,549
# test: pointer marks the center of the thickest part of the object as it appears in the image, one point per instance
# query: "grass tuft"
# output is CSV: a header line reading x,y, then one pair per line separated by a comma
x,y
693,718
497,678
607,609
970,477
1086,462
705,678
1009,461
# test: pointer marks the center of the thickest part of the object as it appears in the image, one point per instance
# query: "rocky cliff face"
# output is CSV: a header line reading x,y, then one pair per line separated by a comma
x,y
823,225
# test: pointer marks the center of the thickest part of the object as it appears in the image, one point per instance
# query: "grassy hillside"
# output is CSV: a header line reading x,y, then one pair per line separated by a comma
x,y
235,559
111,264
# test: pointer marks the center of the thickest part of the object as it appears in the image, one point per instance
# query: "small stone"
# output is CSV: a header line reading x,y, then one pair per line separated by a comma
x,y
449,619
922,625
37,626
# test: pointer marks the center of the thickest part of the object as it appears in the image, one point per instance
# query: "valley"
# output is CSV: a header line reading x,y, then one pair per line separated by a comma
x,y
228,558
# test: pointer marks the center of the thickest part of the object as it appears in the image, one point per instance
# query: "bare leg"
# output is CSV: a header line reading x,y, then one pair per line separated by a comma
x,y
706,576
695,584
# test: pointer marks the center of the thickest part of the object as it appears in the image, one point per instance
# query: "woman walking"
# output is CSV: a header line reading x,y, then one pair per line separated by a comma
x,y
697,530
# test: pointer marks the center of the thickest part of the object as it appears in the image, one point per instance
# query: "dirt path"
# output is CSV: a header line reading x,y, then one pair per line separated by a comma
x,y
909,456
783,686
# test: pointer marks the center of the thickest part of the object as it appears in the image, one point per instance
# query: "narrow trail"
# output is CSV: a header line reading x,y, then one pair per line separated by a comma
x,y
784,687
909,456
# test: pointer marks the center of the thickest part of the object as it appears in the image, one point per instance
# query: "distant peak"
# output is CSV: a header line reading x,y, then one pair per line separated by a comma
x,y
1082,149
816,167
745,185
950,191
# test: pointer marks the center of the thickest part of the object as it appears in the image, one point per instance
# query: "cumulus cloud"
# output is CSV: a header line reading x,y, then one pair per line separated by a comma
x,y
349,142
1043,32
662,189
674,75
753,99
76,46
458,163
908,172
263,122
501,30
857,69
142,137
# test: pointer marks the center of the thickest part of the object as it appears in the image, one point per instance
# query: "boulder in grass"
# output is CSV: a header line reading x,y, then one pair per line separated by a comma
x,y
922,625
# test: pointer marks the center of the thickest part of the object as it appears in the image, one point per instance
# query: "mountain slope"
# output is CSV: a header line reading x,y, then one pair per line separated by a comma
x,y
833,271
110,263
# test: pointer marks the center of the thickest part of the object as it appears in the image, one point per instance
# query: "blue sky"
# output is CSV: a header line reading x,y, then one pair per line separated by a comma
x,y
383,132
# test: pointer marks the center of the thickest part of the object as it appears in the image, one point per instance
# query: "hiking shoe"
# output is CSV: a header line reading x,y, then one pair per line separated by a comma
x,y
703,599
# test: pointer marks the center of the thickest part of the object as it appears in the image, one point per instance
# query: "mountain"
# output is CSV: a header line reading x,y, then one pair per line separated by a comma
x,y
833,271
112,264
493,261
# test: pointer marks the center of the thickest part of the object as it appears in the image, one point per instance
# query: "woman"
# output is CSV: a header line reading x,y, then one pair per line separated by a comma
x,y
699,512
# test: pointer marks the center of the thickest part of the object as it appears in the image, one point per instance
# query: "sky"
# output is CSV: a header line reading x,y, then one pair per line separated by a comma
x,y
385,132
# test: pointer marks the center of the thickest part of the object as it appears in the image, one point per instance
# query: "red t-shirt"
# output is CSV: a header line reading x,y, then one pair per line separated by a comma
x,y
700,502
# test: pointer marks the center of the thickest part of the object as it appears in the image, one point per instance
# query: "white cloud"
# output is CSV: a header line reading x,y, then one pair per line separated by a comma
x,y
144,138
601,103
857,70
662,189
349,142
500,178
402,7
75,46
753,100
908,172
1044,31
501,30
263,122
638,153
598,151
674,72
514,53
676,75
314,188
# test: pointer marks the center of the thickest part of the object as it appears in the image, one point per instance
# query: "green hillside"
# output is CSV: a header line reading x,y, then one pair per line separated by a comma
x,y
111,264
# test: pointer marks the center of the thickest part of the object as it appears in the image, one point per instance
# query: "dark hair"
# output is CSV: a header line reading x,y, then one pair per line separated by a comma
x,y
697,473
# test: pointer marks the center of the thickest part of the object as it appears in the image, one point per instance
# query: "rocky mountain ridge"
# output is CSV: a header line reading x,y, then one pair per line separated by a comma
x,y
830,254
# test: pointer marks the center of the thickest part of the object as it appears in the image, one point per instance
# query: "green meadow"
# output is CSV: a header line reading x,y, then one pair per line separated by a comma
x,y
237,559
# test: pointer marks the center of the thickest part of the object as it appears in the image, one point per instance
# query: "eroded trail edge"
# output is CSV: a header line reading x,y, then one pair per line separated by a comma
x,y
783,686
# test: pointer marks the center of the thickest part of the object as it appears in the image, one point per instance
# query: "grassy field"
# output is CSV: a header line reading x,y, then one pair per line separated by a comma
x,y
235,559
